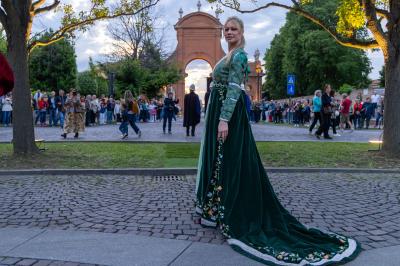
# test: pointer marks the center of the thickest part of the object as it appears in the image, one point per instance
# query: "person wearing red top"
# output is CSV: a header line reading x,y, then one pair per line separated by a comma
x,y
357,114
43,105
345,112
6,76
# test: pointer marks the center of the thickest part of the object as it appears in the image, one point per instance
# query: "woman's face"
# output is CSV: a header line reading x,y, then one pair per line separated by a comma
x,y
328,89
232,32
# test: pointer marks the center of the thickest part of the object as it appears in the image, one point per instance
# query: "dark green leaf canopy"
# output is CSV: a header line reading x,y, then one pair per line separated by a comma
x,y
304,49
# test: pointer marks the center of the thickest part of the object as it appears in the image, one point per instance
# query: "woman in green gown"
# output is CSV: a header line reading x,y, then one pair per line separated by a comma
x,y
233,190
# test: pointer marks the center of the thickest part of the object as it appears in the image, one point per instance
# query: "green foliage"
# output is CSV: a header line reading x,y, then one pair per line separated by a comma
x,y
53,67
146,75
139,79
350,13
351,17
166,74
304,49
3,41
130,76
345,88
92,81
86,83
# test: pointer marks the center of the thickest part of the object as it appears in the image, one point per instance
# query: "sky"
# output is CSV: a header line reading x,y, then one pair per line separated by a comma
x,y
260,29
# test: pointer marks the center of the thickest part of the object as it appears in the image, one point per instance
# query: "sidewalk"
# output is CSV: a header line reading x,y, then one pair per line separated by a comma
x,y
130,249
152,132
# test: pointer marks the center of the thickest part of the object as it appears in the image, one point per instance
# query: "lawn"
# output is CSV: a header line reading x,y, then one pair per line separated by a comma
x,y
155,155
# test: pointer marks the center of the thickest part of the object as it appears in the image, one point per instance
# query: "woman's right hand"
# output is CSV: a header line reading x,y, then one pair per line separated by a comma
x,y
222,130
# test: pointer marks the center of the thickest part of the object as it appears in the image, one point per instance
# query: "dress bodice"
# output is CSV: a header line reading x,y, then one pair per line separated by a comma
x,y
231,74
237,69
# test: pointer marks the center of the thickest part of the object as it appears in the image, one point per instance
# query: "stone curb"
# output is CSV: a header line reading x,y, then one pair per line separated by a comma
x,y
184,171
166,141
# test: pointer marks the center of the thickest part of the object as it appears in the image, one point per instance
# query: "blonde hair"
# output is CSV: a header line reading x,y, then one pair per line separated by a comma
x,y
128,97
242,42
317,91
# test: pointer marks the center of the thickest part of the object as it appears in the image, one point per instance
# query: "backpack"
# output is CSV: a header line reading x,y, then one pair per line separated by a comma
x,y
135,107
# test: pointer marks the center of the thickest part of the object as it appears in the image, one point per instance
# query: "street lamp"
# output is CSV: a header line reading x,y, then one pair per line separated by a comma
x,y
111,78
258,71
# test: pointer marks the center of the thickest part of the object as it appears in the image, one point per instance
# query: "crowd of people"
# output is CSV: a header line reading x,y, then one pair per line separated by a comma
x,y
73,112
50,110
344,113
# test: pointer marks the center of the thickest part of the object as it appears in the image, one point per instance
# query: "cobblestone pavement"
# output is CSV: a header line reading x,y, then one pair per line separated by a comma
x,y
364,206
153,132
36,262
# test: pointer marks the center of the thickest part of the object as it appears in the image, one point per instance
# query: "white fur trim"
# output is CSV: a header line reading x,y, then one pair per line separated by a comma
x,y
235,85
338,257
207,223
199,210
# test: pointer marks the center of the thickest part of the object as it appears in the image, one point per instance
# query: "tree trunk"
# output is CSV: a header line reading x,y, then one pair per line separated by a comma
x,y
23,131
391,135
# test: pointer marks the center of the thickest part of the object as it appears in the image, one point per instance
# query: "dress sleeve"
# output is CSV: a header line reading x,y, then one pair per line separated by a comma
x,y
237,72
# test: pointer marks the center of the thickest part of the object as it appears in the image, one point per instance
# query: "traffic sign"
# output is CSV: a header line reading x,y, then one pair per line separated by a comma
x,y
291,80
290,89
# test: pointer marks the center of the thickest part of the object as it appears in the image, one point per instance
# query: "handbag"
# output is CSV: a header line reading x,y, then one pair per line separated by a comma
x,y
327,110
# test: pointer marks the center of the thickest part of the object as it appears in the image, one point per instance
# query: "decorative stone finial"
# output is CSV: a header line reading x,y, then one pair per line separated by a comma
x,y
198,5
180,13
257,54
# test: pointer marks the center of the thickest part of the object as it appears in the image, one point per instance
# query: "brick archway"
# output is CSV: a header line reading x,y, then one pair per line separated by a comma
x,y
199,37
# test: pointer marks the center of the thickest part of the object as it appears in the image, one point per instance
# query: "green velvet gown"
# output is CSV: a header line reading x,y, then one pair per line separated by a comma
x,y
234,192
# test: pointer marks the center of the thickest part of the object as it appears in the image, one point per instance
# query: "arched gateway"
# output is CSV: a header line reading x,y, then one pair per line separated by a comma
x,y
199,37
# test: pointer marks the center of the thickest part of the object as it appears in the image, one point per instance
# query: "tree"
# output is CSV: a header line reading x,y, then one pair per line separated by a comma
x,y
17,18
130,76
304,49
87,83
130,34
53,67
363,24
345,88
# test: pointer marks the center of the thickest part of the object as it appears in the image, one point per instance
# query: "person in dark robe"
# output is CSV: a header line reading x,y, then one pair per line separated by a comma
x,y
192,111
207,95
6,76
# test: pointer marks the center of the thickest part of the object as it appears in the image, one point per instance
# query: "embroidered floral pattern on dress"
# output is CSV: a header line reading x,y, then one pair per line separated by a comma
x,y
213,209
316,256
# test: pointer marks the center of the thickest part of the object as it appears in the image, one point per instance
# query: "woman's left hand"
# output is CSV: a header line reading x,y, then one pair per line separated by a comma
x,y
222,130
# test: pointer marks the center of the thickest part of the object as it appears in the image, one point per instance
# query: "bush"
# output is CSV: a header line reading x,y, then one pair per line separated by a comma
x,y
345,88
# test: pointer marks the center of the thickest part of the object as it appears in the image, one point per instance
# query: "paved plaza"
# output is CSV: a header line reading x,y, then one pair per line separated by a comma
x,y
363,206
153,132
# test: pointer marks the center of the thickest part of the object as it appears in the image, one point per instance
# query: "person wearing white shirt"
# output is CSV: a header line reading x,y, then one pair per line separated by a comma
x,y
375,99
6,110
117,111
36,97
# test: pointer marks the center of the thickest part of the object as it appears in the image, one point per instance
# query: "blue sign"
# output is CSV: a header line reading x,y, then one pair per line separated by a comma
x,y
290,89
291,79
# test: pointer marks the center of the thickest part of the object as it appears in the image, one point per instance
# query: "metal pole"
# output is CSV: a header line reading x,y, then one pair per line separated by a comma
x,y
258,86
